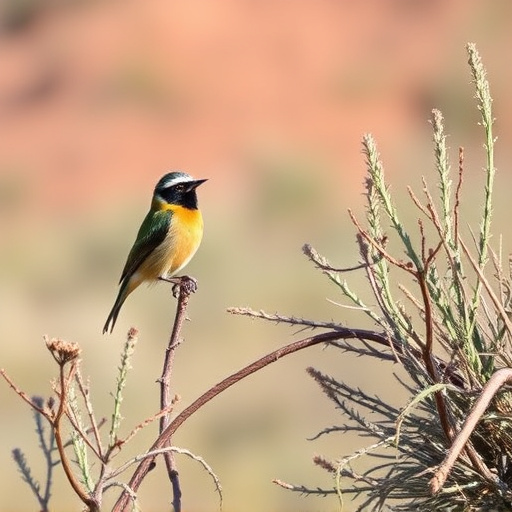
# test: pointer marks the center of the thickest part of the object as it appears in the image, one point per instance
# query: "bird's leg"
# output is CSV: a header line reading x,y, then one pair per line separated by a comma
x,y
183,284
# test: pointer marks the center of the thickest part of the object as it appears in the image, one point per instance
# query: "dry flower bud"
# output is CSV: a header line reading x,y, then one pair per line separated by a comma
x,y
324,463
133,332
63,351
50,403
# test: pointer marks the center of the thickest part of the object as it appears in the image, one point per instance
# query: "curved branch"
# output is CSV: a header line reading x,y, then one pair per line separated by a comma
x,y
488,392
163,440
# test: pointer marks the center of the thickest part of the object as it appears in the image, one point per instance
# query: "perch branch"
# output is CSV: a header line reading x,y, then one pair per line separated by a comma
x,y
162,441
183,287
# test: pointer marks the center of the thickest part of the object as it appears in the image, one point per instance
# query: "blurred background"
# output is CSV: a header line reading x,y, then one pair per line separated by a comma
x,y
269,100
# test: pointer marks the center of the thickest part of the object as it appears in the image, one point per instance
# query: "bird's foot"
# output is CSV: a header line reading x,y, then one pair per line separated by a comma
x,y
181,284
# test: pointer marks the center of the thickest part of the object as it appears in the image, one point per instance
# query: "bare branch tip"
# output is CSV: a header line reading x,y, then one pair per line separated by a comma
x,y
282,484
435,483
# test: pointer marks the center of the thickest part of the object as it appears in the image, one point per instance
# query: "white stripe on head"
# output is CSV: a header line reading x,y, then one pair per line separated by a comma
x,y
179,178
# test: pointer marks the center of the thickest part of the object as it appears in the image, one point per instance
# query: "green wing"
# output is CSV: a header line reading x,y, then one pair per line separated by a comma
x,y
152,233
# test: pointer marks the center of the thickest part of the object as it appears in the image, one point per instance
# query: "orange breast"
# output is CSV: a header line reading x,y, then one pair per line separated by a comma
x,y
179,246
186,233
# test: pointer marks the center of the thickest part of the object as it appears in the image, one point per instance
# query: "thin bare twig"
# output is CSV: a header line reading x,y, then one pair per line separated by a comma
x,y
84,390
277,318
377,246
497,303
24,395
83,434
146,422
322,263
458,189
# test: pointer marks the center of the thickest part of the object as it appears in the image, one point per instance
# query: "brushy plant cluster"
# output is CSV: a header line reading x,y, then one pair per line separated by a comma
x,y
70,434
443,311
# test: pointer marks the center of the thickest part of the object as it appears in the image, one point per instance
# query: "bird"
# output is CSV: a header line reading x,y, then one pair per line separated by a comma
x,y
167,239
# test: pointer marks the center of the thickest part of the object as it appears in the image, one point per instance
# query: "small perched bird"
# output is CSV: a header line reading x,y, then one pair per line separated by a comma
x,y
167,239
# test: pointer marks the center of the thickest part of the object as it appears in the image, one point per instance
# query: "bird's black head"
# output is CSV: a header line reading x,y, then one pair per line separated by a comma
x,y
177,188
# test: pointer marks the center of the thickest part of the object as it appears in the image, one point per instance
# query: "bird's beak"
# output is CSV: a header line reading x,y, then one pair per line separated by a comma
x,y
194,184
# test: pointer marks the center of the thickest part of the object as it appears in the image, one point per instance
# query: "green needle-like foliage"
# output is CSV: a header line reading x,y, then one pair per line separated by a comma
x,y
446,317
124,368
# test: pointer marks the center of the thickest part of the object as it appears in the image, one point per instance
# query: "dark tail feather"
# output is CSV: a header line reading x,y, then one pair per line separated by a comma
x,y
112,317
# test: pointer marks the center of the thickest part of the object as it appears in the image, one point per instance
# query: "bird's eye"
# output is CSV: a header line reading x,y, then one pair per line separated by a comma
x,y
180,188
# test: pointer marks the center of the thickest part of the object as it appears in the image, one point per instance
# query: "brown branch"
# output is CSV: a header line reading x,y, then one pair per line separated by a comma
x,y
143,424
427,355
162,441
418,203
84,390
24,396
183,286
488,392
63,353
457,197
377,247
64,383
423,240
82,433
442,410
420,275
